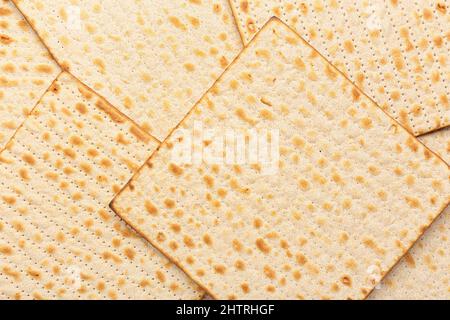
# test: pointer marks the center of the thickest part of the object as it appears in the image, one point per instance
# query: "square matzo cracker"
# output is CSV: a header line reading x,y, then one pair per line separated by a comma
x,y
351,192
151,59
394,50
58,238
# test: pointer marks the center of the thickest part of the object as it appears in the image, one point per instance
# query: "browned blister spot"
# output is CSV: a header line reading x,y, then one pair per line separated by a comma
x,y
151,208
5,39
220,269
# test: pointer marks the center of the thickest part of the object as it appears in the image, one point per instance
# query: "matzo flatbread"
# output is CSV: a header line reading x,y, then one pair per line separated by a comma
x,y
151,59
395,51
352,192
26,70
424,272
58,238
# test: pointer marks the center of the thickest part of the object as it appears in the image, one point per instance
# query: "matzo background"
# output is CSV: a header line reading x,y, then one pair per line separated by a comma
x,y
224,149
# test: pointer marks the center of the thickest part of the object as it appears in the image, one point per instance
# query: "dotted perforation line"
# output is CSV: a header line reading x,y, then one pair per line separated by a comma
x,y
41,249
107,226
347,26
447,44
86,141
60,208
409,70
300,24
30,260
12,285
80,173
418,51
94,128
338,41
36,227
387,90
3,295
436,59
371,48
97,218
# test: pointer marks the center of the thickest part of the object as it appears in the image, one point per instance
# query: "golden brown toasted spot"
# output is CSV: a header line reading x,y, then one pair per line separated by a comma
x,y
177,23
304,185
4,39
244,6
189,67
262,246
257,223
346,280
237,245
412,144
176,170
150,207
175,227
410,260
207,239
413,202
269,272
355,94
366,123
169,203
6,250
330,72
239,265
301,259
299,64
28,158
348,46
220,269
370,243
245,287
43,68
188,242
129,253
160,276
209,181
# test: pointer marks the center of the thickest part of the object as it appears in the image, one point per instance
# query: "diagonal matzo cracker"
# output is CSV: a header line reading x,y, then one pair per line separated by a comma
x,y
58,238
353,190
26,70
424,272
395,51
151,59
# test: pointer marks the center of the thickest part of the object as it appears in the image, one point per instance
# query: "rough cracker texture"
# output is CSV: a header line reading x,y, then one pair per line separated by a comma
x,y
26,70
58,237
353,192
151,59
395,51
424,273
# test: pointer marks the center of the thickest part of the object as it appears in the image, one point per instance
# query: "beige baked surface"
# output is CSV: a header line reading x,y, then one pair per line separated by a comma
x,y
395,51
424,273
58,237
151,59
353,192
26,70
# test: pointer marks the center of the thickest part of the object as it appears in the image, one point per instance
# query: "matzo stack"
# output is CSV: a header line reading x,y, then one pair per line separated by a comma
x,y
353,190
26,70
424,272
151,59
397,51
58,238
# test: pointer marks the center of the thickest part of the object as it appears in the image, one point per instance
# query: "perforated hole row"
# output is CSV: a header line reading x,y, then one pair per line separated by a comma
x,y
63,212
79,223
